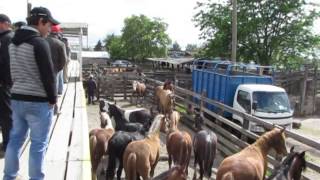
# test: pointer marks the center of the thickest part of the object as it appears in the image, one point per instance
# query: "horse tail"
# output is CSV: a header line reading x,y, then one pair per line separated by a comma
x,y
208,156
131,166
184,154
228,176
93,143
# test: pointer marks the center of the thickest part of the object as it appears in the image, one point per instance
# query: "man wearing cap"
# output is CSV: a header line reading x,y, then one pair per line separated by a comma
x,y
5,80
33,93
59,55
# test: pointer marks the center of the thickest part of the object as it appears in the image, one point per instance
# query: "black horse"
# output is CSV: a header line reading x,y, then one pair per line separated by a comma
x,y
122,124
204,147
116,146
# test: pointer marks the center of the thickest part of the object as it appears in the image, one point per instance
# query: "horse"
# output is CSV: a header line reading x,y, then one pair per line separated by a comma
x,y
204,148
179,143
140,115
290,168
141,157
116,146
166,101
139,89
121,123
158,91
98,139
175,173
251,162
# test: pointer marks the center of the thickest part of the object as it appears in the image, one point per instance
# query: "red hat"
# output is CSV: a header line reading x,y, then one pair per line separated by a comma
x,y
56,29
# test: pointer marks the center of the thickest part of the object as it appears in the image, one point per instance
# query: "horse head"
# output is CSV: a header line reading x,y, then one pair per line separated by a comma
x,y
297,166
280,141
134,85
198,121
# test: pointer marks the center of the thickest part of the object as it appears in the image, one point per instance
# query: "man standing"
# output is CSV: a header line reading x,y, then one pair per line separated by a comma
x,y
33,93
59,56
5,80
92,86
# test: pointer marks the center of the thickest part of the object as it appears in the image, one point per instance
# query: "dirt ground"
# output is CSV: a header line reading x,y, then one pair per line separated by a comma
x,y
93,118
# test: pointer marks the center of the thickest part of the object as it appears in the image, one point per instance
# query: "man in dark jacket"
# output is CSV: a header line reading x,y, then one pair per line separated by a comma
x,y
33,93
5,79
92,86
59,56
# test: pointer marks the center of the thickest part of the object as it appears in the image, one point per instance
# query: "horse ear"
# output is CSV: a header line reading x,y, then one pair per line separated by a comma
x,y
302,153
291,149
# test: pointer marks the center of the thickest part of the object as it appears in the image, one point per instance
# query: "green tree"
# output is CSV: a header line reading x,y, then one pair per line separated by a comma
x,y
176,46
115,47
143,37
98,47
268,31
191,48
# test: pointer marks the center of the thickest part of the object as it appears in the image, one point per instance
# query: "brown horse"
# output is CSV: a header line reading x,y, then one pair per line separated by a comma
x,y
179,143
251,162
158,91
290,168
141,157
139,89
166,101
175,173
99,143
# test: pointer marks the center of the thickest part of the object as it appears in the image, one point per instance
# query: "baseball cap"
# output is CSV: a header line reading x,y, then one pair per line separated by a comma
x,y
43,12
56,29
4,18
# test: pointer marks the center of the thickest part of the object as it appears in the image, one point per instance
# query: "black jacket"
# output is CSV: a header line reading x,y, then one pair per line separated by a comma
x,y
5,40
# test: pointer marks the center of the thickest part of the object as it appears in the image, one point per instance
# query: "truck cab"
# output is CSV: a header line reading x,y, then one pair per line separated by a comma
x,y
268,102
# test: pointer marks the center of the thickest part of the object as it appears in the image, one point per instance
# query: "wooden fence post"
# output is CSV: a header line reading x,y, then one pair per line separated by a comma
x,y
203,95
245,125
125,77
303,92
315,83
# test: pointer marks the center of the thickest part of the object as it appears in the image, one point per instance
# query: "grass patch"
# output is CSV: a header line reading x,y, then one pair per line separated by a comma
x,y
181,108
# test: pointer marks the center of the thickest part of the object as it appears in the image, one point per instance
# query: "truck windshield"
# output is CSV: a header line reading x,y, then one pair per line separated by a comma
x,y
271,102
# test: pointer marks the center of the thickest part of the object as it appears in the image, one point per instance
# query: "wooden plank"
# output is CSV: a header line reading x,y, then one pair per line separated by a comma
x,y
58,148
79,166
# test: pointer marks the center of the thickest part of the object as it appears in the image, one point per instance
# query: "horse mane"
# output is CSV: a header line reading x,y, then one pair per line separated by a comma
x,y
266,137
155,126
109,122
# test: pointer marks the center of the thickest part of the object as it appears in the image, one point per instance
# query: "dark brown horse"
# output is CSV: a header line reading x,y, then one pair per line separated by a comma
x,y
290,168
251,162
175,173
141,157
139,89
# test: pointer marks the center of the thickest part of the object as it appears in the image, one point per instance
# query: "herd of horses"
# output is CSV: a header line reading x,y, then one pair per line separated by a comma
x,y
131,141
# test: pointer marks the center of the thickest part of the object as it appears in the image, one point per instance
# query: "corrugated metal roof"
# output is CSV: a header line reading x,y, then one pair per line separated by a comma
x,y
172,60
95,54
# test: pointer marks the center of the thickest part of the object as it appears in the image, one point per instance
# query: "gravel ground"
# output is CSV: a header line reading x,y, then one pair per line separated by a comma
x,y
93,118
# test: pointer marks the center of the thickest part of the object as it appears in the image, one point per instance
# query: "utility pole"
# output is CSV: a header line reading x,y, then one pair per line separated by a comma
x,y
29,6
234,31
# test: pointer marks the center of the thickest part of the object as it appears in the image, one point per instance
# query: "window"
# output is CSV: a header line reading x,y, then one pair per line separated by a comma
x,y
244,100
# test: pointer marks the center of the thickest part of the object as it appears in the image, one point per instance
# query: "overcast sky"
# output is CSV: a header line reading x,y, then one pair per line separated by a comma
x,y
107,16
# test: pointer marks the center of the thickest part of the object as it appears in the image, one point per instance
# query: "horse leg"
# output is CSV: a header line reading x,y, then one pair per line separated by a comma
x,y
201,169
169,160
111,167
119,171
195,165
154,165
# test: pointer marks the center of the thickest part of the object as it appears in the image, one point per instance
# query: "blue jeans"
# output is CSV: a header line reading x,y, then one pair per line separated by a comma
x,y
60,82
38,117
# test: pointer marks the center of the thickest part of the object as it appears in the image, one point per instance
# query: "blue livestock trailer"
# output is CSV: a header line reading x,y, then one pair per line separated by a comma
x,y
220,79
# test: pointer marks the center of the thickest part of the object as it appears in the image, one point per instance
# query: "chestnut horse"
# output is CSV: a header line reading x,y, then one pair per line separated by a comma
x,y
99,143
179,143
251,162
141,157
159,90
175,173
139,89
290,168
